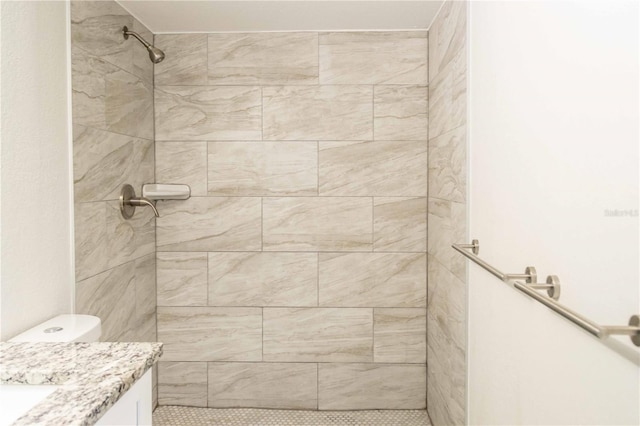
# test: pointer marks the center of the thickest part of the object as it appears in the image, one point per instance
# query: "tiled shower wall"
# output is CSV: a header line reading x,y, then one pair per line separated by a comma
x,y
447,309
295,275
112,83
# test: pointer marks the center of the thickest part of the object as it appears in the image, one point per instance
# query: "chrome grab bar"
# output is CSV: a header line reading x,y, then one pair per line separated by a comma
x,y
553,290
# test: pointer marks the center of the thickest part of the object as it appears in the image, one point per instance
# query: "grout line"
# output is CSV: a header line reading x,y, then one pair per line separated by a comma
x,y
152,140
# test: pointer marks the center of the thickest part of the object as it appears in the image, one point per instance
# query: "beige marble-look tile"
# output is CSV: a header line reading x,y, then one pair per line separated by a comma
x,y
129,239
263,168
400,335
263,279
447,35
210,334
371,386
263,58
154,385
111,296
446,308
182,279
263,385
209,224
183,162
104,161
373,168
185,61
399,224
208,113
447,225
96,27
447,166
400,113
182,383
369,57
90,233
446,347
373,279
317,224
145,286
448,97
318,335
317,113
108,98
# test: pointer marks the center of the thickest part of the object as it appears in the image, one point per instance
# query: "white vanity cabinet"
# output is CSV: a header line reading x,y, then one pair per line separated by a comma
x,y
134,407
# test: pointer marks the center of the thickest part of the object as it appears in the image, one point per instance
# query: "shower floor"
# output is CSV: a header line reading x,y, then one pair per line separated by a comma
x,y
193,416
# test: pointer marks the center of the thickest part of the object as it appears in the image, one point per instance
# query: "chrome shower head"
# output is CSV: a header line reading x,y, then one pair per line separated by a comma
x,y
156,55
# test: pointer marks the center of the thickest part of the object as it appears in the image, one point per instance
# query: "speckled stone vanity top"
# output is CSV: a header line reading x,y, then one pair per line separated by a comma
x,y
93,376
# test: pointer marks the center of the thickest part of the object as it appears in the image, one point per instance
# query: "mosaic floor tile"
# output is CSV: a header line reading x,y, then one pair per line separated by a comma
x,y
192,416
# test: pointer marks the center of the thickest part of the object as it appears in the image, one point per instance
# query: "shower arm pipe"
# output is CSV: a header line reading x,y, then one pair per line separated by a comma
x,y
600,331
128,33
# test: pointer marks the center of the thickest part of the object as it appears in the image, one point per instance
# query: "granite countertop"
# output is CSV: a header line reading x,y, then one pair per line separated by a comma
x,y
93,376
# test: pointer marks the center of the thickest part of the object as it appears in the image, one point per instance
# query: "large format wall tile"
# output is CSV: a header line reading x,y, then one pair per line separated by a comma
x,y
209,224
263,168
263,279
208,113
447,166
317,112
183,162
210,334
446,312
446,351
447,35
268,385
182,383
373,168
373,279
373,58
447,225
400,224
448,97
317,224
185,61
107,97
146,302
104,161
90,232
400,335
182,279
129,239
371,386
111,296
318,334
96,27
400,113
263,58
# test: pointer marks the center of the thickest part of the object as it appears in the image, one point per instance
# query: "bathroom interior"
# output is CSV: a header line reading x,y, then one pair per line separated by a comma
x,y
298,212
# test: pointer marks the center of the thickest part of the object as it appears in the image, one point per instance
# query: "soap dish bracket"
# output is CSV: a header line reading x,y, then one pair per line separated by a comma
x,y
166,191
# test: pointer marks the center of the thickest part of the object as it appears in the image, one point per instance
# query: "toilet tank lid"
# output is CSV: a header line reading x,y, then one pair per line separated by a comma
x,y
63,328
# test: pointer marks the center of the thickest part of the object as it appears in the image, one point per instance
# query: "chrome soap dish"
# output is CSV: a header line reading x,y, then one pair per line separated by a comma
x,y
151,192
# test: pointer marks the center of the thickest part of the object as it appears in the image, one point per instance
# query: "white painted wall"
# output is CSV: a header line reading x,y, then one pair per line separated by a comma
x,y
36,280
553,144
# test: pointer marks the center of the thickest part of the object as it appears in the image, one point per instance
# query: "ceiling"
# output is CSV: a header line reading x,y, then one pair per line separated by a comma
x,y
183,16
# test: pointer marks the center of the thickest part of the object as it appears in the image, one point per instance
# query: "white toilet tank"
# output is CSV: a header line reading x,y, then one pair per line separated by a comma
x,y
63,328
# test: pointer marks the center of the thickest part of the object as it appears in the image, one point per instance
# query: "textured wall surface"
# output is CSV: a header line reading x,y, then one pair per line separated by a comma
x,y
447,316
295,275
37,239
112,82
